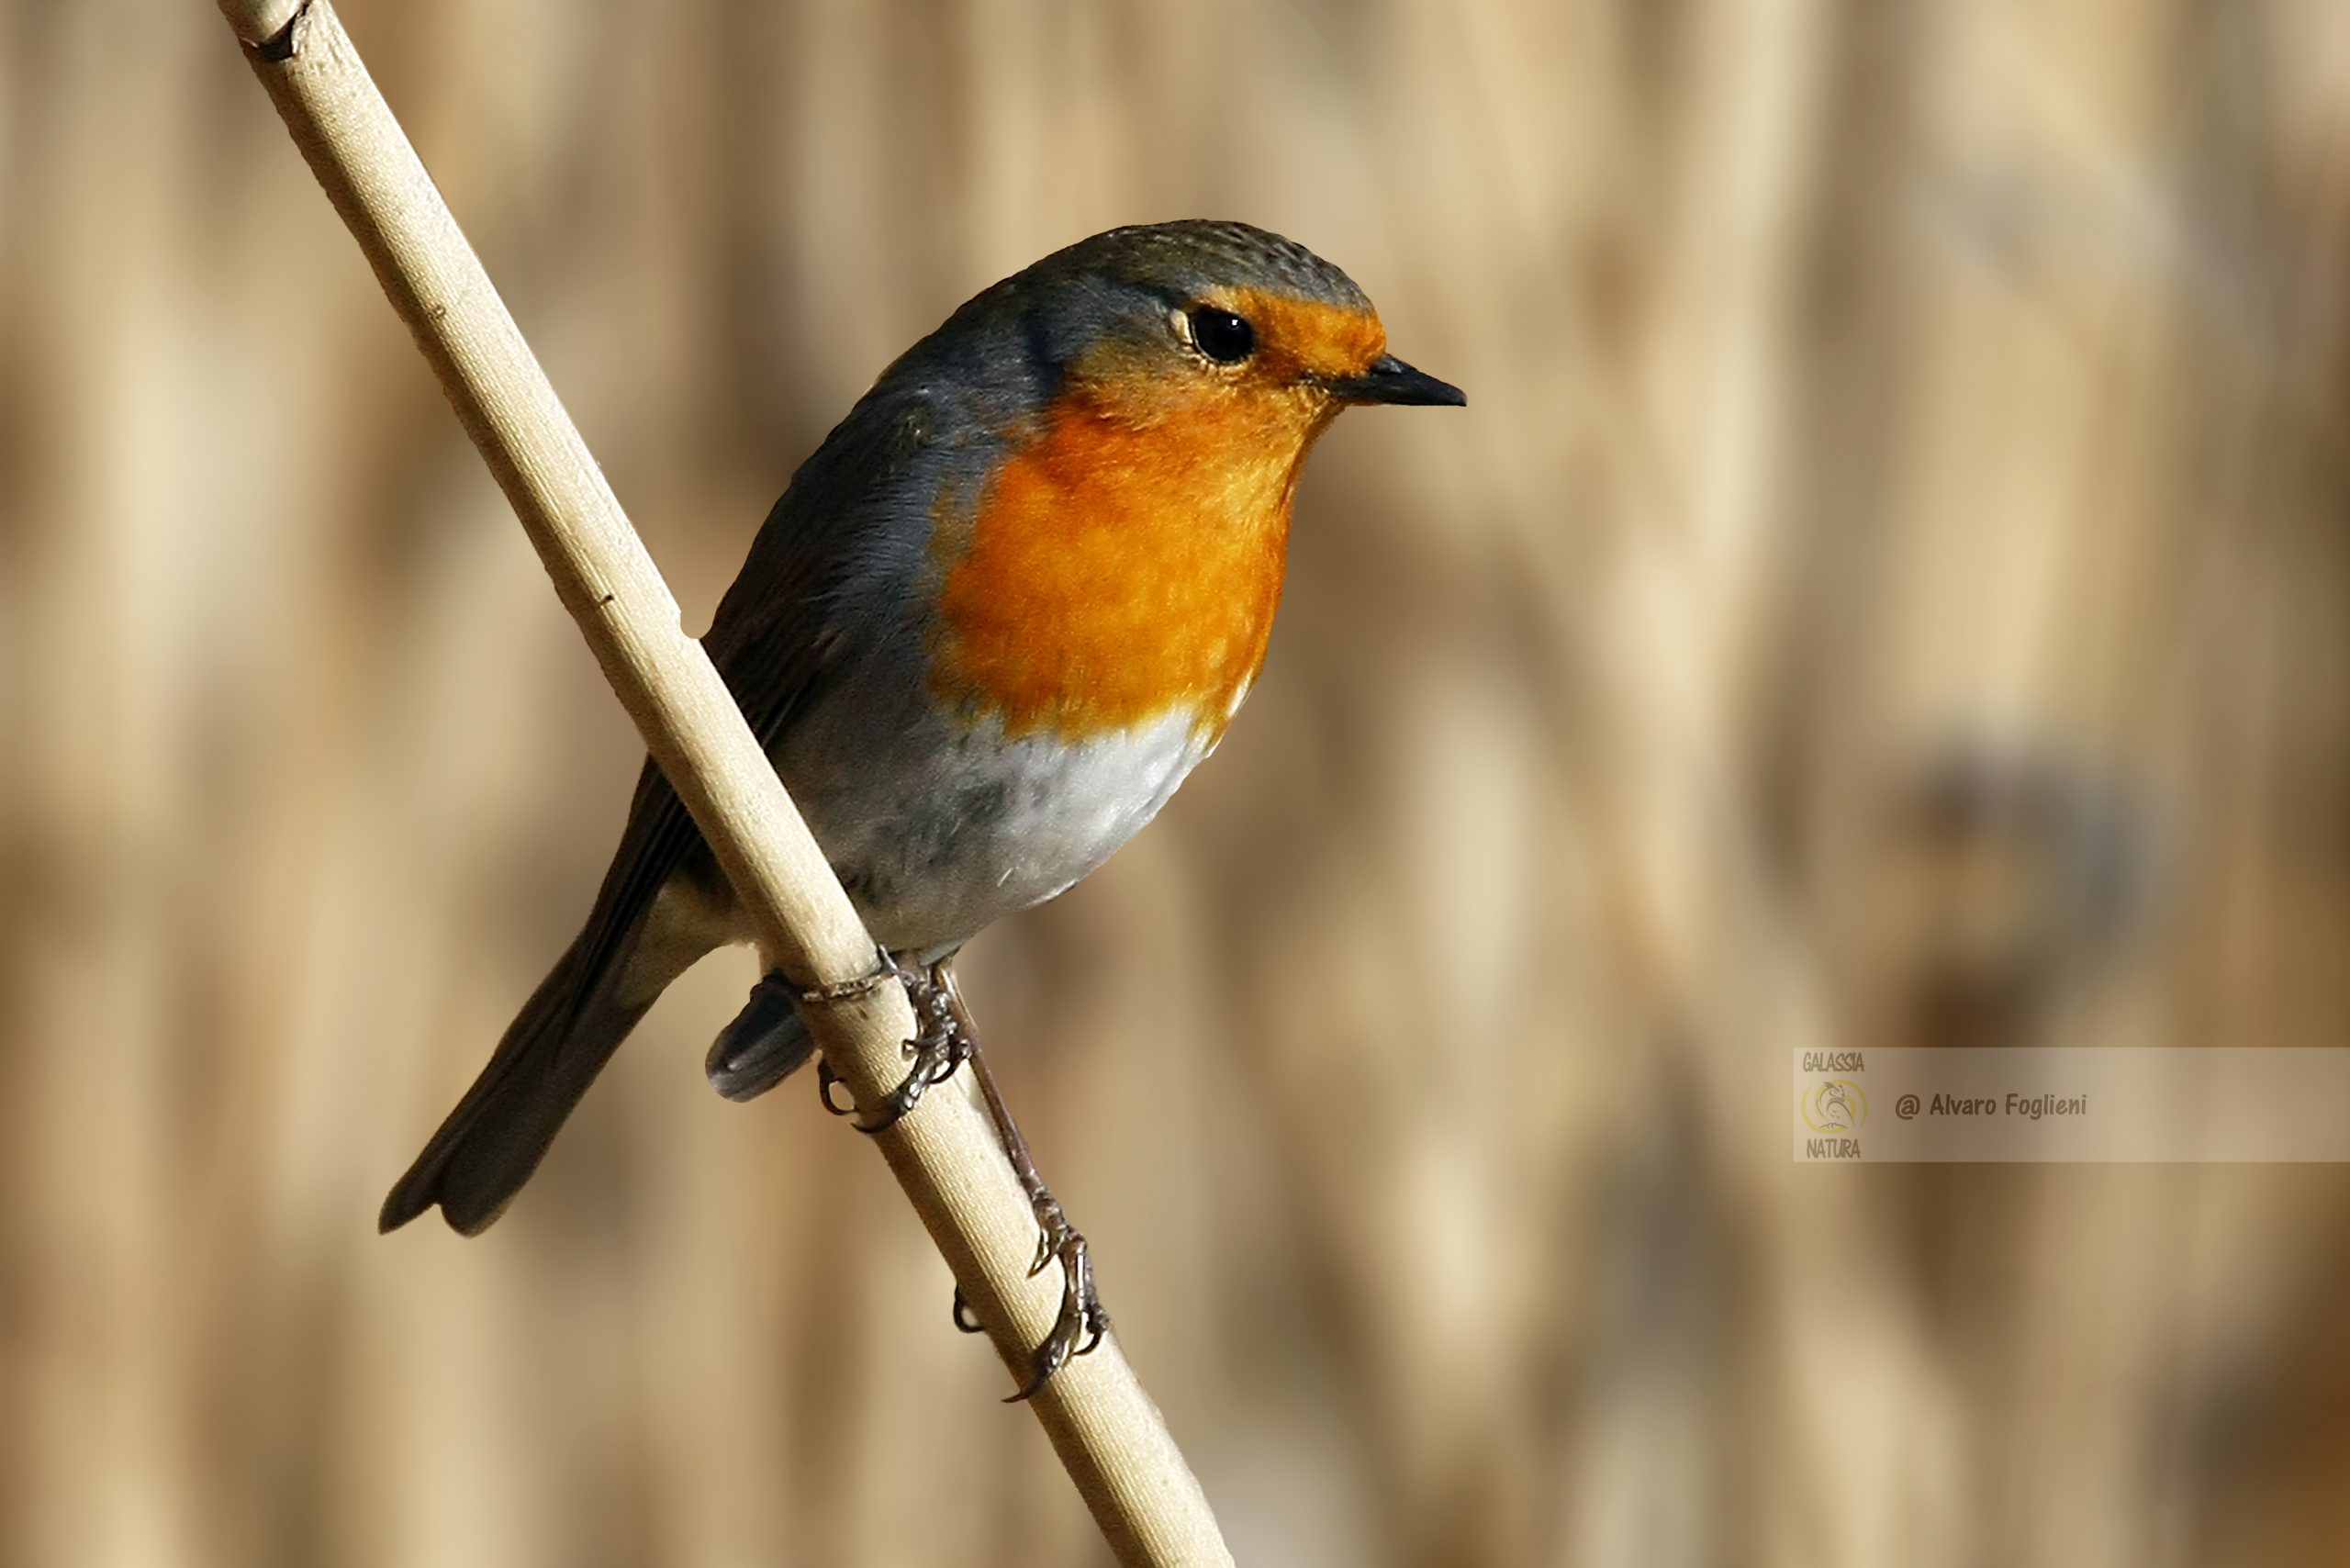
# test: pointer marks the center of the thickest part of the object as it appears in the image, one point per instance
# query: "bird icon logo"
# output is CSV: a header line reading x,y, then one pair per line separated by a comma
x,y
1835,1106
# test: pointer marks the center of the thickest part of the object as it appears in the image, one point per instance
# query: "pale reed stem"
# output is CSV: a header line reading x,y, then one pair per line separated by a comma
x,y
1109,1435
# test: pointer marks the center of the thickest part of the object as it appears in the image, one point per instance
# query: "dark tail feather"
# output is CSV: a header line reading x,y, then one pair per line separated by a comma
x,y
501,1130
764,1045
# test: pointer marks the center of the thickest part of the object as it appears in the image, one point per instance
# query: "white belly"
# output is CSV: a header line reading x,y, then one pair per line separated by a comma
x,y
963,826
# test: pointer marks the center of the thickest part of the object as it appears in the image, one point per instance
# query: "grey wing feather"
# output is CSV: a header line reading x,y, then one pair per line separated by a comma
x,y
778,632
777,635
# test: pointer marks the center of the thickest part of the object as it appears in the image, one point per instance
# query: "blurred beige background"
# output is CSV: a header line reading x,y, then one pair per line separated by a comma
x,y
1889,588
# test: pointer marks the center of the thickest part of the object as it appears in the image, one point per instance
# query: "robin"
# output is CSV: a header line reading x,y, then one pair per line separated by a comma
x,y
1011,601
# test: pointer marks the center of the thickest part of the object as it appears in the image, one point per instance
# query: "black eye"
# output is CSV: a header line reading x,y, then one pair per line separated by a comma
x,y
1222,336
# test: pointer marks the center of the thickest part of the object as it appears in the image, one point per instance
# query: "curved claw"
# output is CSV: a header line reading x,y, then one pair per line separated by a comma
x,y
1097,1324
936,1059
966,1320
897,1103
938,1052
1051,1356
826,1079
1053,1232
1082,1313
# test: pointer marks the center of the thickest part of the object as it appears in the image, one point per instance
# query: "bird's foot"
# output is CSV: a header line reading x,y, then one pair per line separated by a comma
x,y
1082,1320
945,1039
941,1045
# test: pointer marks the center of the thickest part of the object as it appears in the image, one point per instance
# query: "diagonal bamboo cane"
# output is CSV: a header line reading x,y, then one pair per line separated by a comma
x,y
1109,1435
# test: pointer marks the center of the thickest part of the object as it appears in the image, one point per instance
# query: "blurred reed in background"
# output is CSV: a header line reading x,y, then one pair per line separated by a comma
x,y
1889,588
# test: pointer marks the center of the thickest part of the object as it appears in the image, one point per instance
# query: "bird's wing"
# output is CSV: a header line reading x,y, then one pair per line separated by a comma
x,y
781,629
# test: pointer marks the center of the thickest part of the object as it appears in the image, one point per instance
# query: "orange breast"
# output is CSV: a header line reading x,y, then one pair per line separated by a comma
x,y
1113,569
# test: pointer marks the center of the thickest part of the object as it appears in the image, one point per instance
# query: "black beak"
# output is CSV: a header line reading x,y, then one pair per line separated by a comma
x,y
1390,380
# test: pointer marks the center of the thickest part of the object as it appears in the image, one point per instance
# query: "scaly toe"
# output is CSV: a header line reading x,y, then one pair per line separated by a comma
x,y
935,1060
1082,1316
938,1049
